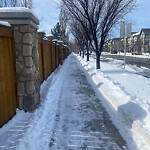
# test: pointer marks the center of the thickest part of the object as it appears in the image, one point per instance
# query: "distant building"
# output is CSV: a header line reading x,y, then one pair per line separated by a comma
x,y
108,46
136,43
117,45
145,40
130,41
114,45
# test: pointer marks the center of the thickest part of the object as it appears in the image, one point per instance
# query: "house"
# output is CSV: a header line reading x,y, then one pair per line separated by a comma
x,y
145,40
108,46
130,43
135,45
117,45
114,45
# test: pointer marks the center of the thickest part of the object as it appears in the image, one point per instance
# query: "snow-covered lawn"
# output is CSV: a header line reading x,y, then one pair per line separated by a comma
x,y
126,92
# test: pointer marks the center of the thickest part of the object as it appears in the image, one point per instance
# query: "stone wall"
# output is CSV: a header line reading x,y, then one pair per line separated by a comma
x,y
24,23
27,66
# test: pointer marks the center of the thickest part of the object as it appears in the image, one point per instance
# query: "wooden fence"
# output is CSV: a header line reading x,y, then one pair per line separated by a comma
x,y
50,56
8,96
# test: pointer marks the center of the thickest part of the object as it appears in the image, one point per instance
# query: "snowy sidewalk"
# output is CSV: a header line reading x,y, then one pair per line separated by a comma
x,y
69,117
81,122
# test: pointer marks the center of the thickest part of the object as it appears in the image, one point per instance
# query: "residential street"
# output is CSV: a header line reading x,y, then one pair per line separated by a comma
x,y
81,122
139,61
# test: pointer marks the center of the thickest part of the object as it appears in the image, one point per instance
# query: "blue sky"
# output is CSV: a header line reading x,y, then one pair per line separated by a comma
x,y
140,16
48,12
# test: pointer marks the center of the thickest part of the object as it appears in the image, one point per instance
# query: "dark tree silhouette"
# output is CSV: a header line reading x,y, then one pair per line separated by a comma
x,y
97,17
57,31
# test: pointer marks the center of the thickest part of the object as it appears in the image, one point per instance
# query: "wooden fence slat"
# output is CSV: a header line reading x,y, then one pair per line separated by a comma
x,y
53,56
41,61
8,94
6,32
50,55
2,118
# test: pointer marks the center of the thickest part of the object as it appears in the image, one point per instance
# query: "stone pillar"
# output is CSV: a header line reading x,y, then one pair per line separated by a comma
x,y
60,43
65,51
50,37
24,23
41,35
56,51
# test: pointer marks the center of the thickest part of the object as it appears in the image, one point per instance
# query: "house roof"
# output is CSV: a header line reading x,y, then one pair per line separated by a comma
x,y
145,30
133,33
137,33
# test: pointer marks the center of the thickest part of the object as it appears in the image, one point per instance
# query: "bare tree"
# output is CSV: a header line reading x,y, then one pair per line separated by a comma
x,y
26,3
63,20
77,31
100,16
13,3
16,3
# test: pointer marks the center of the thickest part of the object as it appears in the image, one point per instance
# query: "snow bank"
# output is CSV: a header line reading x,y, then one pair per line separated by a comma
x,y
130,118
39,133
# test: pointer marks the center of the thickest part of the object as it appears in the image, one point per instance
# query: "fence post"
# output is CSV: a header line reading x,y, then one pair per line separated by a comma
x,y
65,51
60,51
41,35
53,50
24,23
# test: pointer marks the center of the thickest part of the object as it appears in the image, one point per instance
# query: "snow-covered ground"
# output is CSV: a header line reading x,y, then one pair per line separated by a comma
x,y
127,92
124,94
144,55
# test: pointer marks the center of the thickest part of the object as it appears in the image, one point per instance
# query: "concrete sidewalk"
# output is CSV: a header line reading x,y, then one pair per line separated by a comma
x,y
81,122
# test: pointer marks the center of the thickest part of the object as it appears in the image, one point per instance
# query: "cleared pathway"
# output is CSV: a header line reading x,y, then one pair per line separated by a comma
x,y
81,123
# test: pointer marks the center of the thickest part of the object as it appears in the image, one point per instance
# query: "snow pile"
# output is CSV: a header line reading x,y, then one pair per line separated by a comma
x,y
4,23
42,124
125,96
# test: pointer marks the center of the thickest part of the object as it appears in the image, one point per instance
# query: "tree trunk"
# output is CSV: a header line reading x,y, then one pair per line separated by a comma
x,y
98,54
87,54
83,53
80,52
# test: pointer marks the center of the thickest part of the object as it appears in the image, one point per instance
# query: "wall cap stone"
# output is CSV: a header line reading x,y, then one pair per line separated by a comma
x,y
19,16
